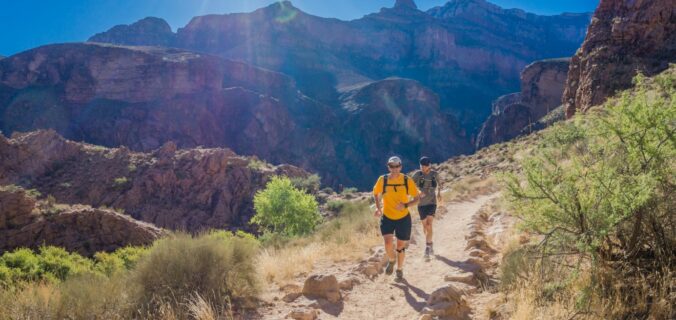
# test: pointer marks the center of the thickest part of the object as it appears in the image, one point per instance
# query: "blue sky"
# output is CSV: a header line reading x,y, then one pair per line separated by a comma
x,y
27,24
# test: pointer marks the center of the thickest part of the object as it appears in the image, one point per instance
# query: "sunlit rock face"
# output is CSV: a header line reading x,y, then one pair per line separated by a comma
x,y
397,116
624,38
323,83
186,190
28,223
542,84
143,97
468,51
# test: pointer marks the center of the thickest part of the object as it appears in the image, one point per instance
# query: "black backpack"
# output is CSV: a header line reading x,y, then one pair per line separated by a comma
x,y
385,185
420,184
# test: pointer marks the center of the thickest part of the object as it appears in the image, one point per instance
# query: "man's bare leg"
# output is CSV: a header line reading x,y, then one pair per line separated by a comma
x,y
428,228
401,245
389,246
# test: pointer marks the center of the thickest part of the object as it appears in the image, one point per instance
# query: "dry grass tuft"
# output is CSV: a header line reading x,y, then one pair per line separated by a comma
x,y
347,237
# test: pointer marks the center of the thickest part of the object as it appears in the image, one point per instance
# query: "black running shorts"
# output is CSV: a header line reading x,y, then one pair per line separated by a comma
x,y
427,210
400,228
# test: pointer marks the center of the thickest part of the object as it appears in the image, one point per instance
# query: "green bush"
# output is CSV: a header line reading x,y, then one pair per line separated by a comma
x,y
601,188
24,265
281,208
58,263
55,264
218,267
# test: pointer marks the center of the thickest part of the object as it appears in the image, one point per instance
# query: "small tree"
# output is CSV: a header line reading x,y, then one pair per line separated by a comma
x,y
283,209
602,188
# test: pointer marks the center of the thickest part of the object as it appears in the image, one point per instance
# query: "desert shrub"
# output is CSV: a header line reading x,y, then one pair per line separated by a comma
x,y
309,184
281,208
601,190
257,164
348,191
93,296
354,218
58,263
217,267
23,265
335,205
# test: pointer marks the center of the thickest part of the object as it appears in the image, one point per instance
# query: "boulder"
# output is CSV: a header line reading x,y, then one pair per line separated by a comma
x,y
322,286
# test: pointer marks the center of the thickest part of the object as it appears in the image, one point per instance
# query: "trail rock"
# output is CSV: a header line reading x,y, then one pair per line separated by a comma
x,y
304,314
322,286
447,301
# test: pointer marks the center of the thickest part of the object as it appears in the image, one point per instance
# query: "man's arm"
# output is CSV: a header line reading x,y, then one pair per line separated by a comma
x,y
379,209
415,200
439,186
416,196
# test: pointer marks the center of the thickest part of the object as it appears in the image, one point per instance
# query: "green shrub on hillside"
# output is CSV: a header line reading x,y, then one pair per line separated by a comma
x,y
281,208
55,264
602,188
309,184
61,264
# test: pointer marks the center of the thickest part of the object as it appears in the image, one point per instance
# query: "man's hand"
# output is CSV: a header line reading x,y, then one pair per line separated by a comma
x,y
378,213
400,206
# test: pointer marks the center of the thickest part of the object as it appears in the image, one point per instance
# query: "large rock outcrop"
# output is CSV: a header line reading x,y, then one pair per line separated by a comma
x,y
468,51
149,31
143,97
397,116
542,85
30,223
624,38
190,190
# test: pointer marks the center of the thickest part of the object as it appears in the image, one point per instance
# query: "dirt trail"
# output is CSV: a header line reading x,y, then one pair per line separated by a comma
x,y
381,297
386,299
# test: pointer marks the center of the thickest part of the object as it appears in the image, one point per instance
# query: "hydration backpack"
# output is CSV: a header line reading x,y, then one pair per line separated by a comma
x,y
421,183
385,185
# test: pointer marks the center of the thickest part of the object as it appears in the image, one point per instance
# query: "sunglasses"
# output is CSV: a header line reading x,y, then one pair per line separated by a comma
x,y
394,166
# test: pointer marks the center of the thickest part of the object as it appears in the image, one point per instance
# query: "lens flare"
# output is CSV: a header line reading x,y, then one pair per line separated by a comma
x,y
286,14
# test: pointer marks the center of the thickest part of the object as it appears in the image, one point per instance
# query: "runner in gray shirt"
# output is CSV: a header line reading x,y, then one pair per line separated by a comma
x,y
429,185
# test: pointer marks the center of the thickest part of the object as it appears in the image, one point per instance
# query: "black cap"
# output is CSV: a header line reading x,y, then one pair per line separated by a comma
x,y
425,161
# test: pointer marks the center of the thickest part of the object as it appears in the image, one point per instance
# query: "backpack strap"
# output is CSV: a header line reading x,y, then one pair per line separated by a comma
x,y
417,179
406,183
384,183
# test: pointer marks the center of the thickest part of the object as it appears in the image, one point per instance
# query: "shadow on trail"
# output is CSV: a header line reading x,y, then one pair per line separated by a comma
x,y
462,265
417,305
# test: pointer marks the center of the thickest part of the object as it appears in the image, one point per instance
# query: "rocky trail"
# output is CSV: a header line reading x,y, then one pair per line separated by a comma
x,y
454,284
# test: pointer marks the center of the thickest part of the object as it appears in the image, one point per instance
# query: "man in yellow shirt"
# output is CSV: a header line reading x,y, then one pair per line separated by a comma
x,y
398,193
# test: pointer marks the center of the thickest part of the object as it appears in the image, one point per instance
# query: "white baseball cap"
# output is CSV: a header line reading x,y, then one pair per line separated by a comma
x,y
394,160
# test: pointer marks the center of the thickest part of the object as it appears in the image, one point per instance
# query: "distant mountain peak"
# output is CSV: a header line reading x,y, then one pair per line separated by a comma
x,y
408,4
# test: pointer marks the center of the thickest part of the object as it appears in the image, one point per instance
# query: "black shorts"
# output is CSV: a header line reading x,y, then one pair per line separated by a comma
x,y
427,210
400,228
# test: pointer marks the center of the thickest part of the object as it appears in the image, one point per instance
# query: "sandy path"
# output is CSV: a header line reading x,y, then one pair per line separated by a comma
x,y
384,298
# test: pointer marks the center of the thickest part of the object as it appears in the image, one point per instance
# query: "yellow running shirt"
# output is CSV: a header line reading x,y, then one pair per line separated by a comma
x,y
395,195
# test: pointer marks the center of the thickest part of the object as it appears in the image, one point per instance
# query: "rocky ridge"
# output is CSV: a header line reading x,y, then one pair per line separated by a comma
x,y
542,85
624,38
26,222
143,97
188,190
468,51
